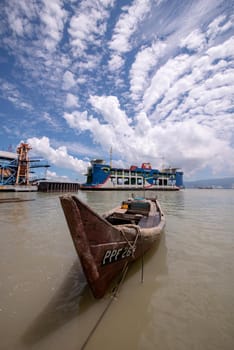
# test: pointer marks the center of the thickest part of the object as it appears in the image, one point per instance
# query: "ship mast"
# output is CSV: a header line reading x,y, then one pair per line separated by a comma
x,y
111,157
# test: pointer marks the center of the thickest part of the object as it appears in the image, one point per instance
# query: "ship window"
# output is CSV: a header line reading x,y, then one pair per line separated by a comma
x,y
139,181
119,180
133,181
113,180
123,181
133,173
162,182
126,180
89,178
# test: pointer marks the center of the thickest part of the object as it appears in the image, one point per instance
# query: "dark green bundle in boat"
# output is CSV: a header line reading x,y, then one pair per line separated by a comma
x,y
139,206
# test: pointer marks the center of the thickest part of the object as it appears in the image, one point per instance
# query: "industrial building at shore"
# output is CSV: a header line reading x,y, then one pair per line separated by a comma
x,y
16,170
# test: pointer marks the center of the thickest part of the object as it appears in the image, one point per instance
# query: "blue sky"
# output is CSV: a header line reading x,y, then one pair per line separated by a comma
x,y
153,79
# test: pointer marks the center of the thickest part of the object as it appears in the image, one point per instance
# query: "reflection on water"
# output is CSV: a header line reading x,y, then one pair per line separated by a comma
x,y
185,300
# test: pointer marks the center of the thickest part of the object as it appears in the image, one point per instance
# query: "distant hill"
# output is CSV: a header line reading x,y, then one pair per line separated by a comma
x,y
226,182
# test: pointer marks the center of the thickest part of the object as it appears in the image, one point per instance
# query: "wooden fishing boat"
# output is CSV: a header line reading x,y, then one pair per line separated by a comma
x,y
105,244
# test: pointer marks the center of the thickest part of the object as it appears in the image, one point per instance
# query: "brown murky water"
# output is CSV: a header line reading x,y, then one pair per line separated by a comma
x,y
185,302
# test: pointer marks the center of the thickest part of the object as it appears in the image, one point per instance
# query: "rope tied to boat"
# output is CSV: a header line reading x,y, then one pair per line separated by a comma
x,y
112,298
132,246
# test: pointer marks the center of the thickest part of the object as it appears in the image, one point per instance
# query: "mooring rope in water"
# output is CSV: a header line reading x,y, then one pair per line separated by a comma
x,y
113,296
142,260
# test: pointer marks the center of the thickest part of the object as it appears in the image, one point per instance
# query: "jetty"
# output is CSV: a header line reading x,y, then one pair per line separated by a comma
x,y
53,186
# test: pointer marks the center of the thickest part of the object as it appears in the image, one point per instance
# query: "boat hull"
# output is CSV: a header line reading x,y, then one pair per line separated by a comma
x,y
126,188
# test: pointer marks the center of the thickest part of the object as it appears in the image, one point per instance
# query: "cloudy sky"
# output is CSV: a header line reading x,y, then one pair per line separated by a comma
x,y
153,79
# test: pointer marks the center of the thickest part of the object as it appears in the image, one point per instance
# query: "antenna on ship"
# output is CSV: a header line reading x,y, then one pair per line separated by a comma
x,y
163,162
111,157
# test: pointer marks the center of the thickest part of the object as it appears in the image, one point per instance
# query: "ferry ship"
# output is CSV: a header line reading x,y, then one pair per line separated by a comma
x,y
102,176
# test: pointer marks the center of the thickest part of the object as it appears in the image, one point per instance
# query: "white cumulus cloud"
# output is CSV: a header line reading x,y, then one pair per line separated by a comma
x,y
57,156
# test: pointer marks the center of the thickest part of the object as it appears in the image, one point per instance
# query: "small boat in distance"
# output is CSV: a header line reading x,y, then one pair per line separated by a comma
x,y
106,244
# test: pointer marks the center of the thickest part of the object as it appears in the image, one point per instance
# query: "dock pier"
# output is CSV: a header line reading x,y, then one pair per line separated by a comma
x,y
53,186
